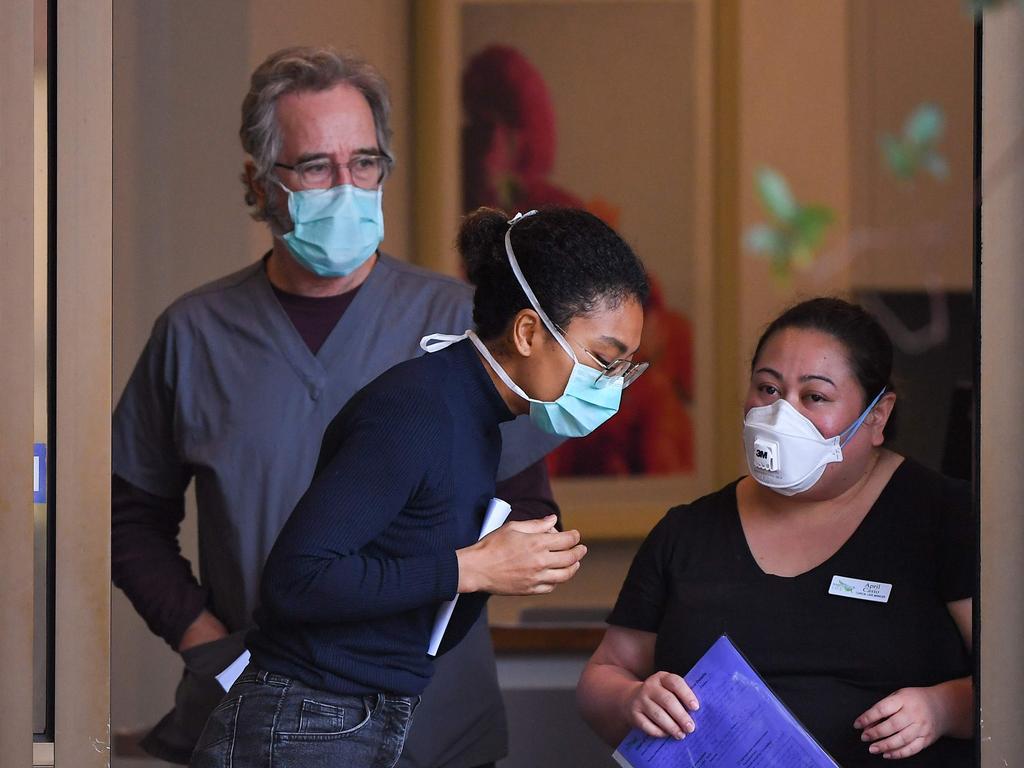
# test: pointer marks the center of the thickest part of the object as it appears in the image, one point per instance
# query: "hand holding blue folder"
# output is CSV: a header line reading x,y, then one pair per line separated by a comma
x,y
740,724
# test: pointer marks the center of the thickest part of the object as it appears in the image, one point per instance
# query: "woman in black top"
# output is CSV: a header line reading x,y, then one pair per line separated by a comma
x,y
388,529
842,570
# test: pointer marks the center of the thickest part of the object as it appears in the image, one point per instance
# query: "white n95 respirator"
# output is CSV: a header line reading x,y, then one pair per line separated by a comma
x,y
786,452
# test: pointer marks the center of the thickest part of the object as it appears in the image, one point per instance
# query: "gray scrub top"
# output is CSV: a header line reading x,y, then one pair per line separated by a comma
x,y
227,392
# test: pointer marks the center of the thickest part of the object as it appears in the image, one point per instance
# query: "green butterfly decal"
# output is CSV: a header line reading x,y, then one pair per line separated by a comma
x,y
796,231
915,150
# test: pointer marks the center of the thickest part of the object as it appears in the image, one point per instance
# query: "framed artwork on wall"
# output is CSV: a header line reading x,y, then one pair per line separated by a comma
x,y
604,105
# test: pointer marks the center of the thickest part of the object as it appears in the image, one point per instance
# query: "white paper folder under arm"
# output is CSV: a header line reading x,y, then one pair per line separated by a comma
x,y
496,515
234,669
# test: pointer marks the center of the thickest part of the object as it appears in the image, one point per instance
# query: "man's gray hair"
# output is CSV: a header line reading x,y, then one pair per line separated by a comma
x,y
303,69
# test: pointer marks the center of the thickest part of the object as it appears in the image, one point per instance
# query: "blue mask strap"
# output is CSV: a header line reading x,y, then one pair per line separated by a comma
x,y
847,435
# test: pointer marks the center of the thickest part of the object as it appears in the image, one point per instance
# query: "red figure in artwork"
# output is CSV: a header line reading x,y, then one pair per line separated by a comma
x,y
508,150
509,140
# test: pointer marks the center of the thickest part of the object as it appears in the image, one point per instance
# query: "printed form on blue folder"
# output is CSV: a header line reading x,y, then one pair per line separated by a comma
x,y
740,724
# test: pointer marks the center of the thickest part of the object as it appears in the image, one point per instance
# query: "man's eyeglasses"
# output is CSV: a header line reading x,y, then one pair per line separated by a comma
x,y
617,369
367,171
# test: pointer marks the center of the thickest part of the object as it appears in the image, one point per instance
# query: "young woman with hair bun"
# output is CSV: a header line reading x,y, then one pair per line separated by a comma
x,y
388,529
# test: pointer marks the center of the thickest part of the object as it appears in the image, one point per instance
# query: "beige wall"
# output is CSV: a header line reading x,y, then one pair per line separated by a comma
x,y
898,63
814,106
1002,390
180,72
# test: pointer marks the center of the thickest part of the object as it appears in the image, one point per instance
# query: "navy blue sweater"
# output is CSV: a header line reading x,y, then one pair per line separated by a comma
x,y
353,582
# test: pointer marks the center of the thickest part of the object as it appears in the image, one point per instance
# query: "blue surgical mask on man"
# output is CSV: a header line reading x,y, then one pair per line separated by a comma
x,y
584,405
335,230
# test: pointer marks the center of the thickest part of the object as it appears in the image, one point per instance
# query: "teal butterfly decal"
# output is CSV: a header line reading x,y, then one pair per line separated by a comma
x,y
915,150
795,232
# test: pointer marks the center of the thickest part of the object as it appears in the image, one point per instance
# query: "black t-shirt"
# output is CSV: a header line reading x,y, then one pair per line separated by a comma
x,y
829,658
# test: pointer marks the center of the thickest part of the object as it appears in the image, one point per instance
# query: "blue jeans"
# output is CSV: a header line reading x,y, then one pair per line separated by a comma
x,y
272,720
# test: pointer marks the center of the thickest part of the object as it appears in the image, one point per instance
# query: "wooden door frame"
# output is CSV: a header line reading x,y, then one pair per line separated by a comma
x,y
17,375
81,444
84,183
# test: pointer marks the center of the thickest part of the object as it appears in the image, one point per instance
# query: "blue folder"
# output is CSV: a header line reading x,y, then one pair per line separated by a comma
x,y
741,723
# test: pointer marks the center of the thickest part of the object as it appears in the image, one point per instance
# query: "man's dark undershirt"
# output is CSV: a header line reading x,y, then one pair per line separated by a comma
x,y
314,317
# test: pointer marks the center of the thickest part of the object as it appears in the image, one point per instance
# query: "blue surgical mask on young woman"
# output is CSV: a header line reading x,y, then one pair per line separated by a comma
x,y
583,406
335,230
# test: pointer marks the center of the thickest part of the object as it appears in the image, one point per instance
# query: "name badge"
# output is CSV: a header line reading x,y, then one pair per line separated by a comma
x,y
859,589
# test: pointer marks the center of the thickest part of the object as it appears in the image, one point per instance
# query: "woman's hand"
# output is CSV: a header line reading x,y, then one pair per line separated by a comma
x,y
525,557
619,690
661,706
907,721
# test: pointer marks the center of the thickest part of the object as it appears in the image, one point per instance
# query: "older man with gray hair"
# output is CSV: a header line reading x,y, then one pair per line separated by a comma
x,y
241,376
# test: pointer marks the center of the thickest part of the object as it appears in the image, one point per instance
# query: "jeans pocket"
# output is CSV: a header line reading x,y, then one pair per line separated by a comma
x,y
317,717
217,741
321,721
